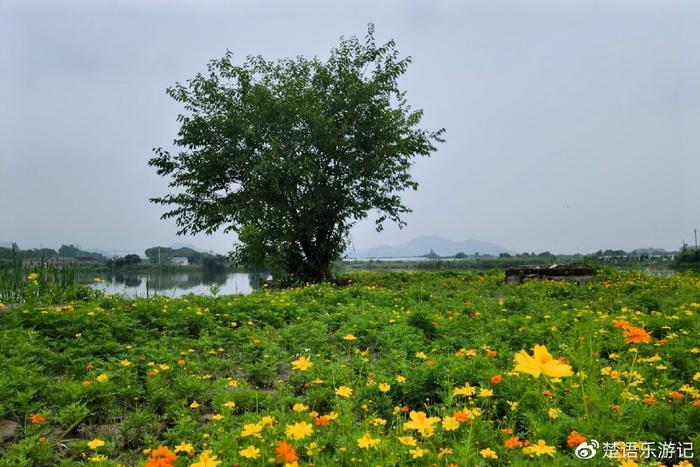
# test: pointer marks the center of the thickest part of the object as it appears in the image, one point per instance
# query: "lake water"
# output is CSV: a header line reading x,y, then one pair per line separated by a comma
x,y
173,284
177,284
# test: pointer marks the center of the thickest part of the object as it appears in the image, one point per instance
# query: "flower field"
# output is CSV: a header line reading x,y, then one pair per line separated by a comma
x,y
395,369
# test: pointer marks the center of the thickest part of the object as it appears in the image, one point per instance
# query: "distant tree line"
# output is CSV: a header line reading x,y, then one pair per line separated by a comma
x,y
156,256
15,253
688,256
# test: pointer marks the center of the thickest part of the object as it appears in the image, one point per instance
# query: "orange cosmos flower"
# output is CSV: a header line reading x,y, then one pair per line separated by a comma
x,y
495,379
621,323
37,418
161,457
322,420
676,395
285,453
512,443
460,416
648,400
575,438
491,353
635,335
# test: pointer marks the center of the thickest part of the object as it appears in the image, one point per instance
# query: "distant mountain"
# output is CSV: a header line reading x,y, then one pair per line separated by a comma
x,y
100,251
649,251
422,245
176,246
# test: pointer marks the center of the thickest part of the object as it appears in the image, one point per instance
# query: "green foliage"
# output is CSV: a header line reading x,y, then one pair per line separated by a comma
x,y
688,256
127,371
124,261
45,283
73,251
215,263
162,255
289,154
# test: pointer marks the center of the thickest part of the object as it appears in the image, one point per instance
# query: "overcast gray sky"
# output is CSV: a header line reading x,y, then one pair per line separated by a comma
x,y
571,125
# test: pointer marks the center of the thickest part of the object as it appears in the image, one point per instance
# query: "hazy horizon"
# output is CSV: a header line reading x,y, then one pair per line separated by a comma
x,y
571,126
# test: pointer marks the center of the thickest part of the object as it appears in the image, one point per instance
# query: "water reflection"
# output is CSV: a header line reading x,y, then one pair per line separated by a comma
x,y
175,284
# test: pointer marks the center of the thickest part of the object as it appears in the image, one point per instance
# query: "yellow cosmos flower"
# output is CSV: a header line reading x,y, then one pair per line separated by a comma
x,y
349,337
194,405
125,362
367,442
483,392
344,391
95,443
251,429
187,448
206,459
267,420
421,423
229,404
541,362
633,463
488,453
466,390
384,387
312,449
417,452
450,424
299,430
251,452
299,407
407,440
102,378
539,449
302,363
554,413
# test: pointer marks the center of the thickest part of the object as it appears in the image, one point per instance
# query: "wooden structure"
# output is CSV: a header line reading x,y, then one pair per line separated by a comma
x,y
579,274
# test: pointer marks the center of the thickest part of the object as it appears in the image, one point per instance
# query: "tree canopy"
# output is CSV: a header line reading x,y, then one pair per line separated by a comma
x,y
289,154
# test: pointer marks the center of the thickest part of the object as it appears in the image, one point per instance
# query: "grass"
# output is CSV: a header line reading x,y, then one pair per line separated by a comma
x,y
109,380
20,284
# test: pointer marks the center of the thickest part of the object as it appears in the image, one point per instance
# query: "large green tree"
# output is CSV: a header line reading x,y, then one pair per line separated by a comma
x,y
289,154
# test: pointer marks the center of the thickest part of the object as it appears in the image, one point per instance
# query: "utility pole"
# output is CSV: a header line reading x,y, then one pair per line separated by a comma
x,y
696,238
158,256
